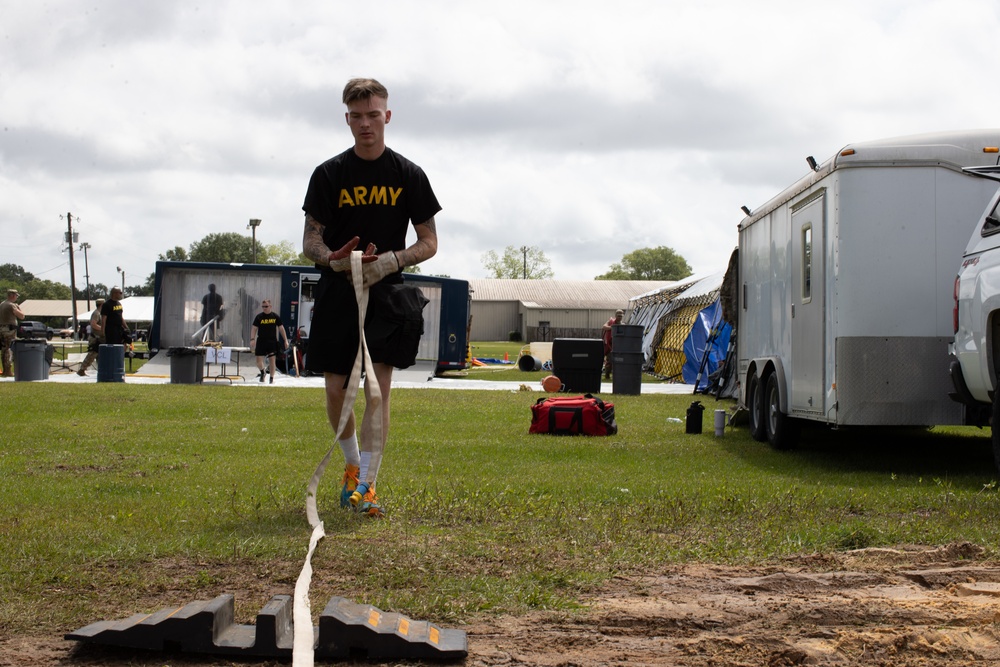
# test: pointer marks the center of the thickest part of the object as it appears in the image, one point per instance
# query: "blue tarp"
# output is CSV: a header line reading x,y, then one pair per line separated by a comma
x,y
708,319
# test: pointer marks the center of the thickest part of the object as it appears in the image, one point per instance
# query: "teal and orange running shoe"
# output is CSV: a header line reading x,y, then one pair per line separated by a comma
x,y
350,485
366,502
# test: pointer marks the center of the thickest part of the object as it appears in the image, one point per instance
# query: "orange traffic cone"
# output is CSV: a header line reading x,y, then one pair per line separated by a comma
x,y
505,357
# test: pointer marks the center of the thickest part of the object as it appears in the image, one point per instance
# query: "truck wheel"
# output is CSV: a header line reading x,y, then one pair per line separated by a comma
x,y
995,430
782,431
755,406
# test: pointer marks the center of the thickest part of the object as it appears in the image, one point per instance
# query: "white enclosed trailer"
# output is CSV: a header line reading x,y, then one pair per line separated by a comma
x,y
846,281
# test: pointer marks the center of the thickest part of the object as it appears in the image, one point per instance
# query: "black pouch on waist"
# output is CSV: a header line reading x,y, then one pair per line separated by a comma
x,y
395,323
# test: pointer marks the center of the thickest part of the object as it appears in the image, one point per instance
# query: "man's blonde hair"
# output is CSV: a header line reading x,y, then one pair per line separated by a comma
x,y
363,89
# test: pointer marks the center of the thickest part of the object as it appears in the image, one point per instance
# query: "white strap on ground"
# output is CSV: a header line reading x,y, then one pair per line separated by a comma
x,y
304,640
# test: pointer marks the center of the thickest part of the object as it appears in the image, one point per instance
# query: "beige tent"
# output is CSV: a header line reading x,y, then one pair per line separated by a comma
x,y
63,308
137,308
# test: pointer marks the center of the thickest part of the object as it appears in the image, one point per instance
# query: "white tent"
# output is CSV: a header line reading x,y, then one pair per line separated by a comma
x,y
138,308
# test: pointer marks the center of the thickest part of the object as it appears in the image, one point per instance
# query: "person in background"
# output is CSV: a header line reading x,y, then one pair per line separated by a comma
x,y
94,340
607,335
113,319
213,306
10,313
264,333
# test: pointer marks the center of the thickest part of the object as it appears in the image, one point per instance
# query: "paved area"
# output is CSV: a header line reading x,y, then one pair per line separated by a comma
x,y
244,374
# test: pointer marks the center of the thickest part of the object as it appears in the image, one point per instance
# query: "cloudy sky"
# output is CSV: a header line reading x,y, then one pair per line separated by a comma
x,y
588,129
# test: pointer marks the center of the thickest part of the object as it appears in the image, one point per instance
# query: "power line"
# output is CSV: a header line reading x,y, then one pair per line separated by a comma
x,y
42,273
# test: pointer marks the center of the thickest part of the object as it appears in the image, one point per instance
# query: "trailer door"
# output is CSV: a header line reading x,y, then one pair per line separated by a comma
x,y
307,300
808,305
430,342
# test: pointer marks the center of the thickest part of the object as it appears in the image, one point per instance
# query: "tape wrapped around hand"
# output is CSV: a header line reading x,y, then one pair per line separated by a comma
x,y
385,265
340,264
340,260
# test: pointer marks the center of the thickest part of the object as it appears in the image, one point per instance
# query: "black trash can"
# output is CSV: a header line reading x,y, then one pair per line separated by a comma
x,y
626,337
186,365
111,363
577,362
29,360
626,372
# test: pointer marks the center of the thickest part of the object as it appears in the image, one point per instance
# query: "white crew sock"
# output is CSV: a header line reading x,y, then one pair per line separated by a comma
x,y
366,459
349,446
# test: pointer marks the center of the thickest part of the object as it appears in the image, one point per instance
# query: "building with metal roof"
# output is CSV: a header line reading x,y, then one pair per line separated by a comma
x,y
542,310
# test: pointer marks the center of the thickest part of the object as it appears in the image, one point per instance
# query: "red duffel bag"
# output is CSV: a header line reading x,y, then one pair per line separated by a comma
x,y
573,415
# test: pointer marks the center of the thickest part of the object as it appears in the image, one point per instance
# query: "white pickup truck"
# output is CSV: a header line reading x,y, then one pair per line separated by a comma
x,y
975,367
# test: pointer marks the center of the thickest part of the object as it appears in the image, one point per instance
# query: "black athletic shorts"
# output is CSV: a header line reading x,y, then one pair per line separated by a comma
x,y
393,325
266,346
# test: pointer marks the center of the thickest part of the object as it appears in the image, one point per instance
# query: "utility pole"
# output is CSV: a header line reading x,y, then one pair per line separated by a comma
x,y
70,240
524,251
122,271
86,268
253,225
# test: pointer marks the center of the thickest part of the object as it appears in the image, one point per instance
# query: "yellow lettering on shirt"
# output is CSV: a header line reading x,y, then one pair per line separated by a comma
x,y
377,195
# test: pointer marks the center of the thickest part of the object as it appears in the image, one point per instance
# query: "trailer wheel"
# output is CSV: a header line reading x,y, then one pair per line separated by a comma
x,y
782,430
995,430
755,406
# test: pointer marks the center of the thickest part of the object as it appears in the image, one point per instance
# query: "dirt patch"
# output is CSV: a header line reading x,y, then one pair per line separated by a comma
x,y
905,606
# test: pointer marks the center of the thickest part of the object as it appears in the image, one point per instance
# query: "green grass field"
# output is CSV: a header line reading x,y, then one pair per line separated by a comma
x,y
117,498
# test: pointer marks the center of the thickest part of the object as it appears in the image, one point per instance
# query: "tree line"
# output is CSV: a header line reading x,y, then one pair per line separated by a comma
x,y
530,263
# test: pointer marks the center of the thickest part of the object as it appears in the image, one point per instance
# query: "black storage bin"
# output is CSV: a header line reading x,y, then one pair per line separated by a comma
x,y
626,372
577,362
626,337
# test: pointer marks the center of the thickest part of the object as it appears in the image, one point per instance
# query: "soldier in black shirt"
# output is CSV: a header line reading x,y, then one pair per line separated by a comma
x,y
264,333
366,197
113,319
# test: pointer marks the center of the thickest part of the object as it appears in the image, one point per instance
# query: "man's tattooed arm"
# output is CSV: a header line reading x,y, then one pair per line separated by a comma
x,y
312,242
423,248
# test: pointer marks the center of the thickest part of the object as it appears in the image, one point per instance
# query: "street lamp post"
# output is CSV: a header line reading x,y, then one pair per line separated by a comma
x,y
86,270
253,225
122,271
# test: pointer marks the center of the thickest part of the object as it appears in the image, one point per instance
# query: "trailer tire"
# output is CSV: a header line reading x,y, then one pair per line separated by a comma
x,y
782,430
755,407
994,431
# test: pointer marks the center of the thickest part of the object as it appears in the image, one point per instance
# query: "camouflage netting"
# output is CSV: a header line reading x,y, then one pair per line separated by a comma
x,y
672,318
668,355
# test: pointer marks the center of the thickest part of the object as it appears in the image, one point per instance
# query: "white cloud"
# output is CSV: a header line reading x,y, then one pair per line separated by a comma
x,y
588,129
